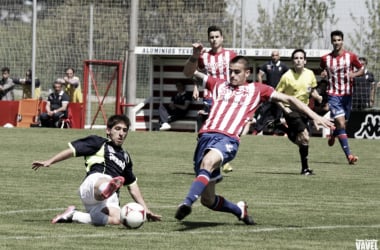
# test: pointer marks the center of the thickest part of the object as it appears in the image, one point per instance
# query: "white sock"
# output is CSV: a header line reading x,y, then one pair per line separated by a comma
x,y
81,217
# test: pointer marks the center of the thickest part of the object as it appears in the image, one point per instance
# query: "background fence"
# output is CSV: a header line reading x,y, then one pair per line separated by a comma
x,y
64,27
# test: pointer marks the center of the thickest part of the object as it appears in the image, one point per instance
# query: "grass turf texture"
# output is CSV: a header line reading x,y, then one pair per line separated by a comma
x,y
327,211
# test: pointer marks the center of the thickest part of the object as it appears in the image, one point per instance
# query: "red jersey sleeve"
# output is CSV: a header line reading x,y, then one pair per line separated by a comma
x,y
355,61
265,90
322,63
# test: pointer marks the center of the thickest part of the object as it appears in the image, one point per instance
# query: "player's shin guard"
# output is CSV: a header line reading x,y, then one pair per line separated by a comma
x,y
198,186
223,205
343,140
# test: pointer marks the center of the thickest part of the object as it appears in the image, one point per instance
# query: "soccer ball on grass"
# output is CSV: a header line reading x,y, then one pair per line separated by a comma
x,y
132,215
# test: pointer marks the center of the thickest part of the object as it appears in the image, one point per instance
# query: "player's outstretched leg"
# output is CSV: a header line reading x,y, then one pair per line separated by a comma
x,y
220,204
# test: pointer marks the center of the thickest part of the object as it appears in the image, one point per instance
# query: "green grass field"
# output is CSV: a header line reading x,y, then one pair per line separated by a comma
x,y
329,210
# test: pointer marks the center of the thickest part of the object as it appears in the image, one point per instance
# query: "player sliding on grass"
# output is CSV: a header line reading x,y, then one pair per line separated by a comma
x,y
108,168
234,102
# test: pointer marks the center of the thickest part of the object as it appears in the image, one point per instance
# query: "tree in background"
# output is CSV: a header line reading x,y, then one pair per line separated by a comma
x,y
366,37
292,24
179,23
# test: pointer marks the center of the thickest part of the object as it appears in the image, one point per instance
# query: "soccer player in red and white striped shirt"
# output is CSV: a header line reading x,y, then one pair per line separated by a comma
x,y
213,63
340,67
233,101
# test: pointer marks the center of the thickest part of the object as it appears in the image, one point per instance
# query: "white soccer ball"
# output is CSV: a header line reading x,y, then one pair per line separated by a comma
x,y
132,215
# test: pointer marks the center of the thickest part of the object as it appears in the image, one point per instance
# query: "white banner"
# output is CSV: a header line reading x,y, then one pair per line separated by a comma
x,y
177,51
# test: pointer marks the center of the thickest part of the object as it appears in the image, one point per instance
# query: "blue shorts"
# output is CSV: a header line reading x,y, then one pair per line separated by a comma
x,y
226,146
340,106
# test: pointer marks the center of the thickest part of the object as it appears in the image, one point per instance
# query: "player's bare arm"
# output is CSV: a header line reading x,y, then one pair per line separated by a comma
x,y
136,194
196,92
354,74
192,63
63,155
316,96
302,107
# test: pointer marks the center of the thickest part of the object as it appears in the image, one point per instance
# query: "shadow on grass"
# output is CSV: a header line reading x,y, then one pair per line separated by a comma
x,y
193,174
343,162
184,173
47,221
191,225
284,173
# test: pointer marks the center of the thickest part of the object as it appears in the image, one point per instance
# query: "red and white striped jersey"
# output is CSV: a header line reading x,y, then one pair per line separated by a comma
x,y
233,105
216,64
338,68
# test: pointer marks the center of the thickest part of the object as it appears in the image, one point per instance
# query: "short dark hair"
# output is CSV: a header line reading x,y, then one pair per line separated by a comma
x,y
70,68
214,28
5,69
337,33
115,119
363,59
299,50
181,84
57,82
243,60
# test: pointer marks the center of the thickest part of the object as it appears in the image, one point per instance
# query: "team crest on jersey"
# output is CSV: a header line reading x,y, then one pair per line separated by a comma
x,y
233,94
115,159
242,91
119,162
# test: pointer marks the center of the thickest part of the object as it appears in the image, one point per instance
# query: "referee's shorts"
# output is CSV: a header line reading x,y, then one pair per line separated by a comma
x,y
297,122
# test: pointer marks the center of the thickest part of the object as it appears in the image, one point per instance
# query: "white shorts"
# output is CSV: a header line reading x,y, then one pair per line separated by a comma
x,y
87,194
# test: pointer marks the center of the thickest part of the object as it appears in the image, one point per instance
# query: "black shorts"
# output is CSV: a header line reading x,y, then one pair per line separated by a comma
x,y
297,123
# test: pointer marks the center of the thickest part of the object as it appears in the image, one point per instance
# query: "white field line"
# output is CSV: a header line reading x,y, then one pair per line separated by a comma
x,y
36,210
169,233
177,233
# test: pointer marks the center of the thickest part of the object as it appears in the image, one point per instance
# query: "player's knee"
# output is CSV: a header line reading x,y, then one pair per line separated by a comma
x,y
101,219
210,164
302,138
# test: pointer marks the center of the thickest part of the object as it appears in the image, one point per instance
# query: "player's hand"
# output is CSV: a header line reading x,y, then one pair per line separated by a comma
x,y
319,99
196,93
38,164
153,217
197,49
324,74
351,75
324,122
